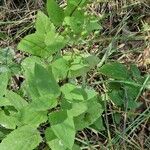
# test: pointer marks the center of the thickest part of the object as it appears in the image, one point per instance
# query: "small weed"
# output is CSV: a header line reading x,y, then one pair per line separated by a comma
x,y
79,78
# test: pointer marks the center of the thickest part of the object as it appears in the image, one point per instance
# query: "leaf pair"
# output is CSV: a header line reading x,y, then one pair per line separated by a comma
x,y
63,127
45,41
79,109
124,85
27,116
7,63
82,104
24,137
40,80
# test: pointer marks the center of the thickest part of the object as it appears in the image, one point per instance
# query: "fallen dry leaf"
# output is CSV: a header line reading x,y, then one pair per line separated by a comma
x,y
146,56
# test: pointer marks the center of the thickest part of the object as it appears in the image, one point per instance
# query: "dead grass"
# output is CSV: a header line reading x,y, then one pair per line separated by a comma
x,y
17,20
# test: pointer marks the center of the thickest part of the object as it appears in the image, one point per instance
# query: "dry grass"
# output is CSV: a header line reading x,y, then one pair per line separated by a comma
x,y
17,20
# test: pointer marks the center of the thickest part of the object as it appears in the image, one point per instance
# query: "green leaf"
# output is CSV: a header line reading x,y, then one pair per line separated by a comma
x,y
91,60
29,116
132,104
43,23
117,97
78,70
53,142
28,64
66,90
114,70
78,2
98,124
14,68
135,72
56,144
132,93
29,85
81,64
7,61
55,13
73,94
4,132
23,138
93,112
76,147
76,21
34,44
92,25
117,117
114,85
65,105
6,55
72,5
45,41
60,68
16,100
49,134
5,102
40,81
44,103
45,81
65,131
91,94
77,109
6,121
63,127
3,83
57,117
3,36
54,42
79,94
4,69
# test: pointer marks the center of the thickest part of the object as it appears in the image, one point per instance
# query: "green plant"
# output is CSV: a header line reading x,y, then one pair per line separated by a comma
x,y
7,61
50,94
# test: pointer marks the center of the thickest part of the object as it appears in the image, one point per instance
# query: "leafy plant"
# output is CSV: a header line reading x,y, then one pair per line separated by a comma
x,y
67,107
7,61
49,94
